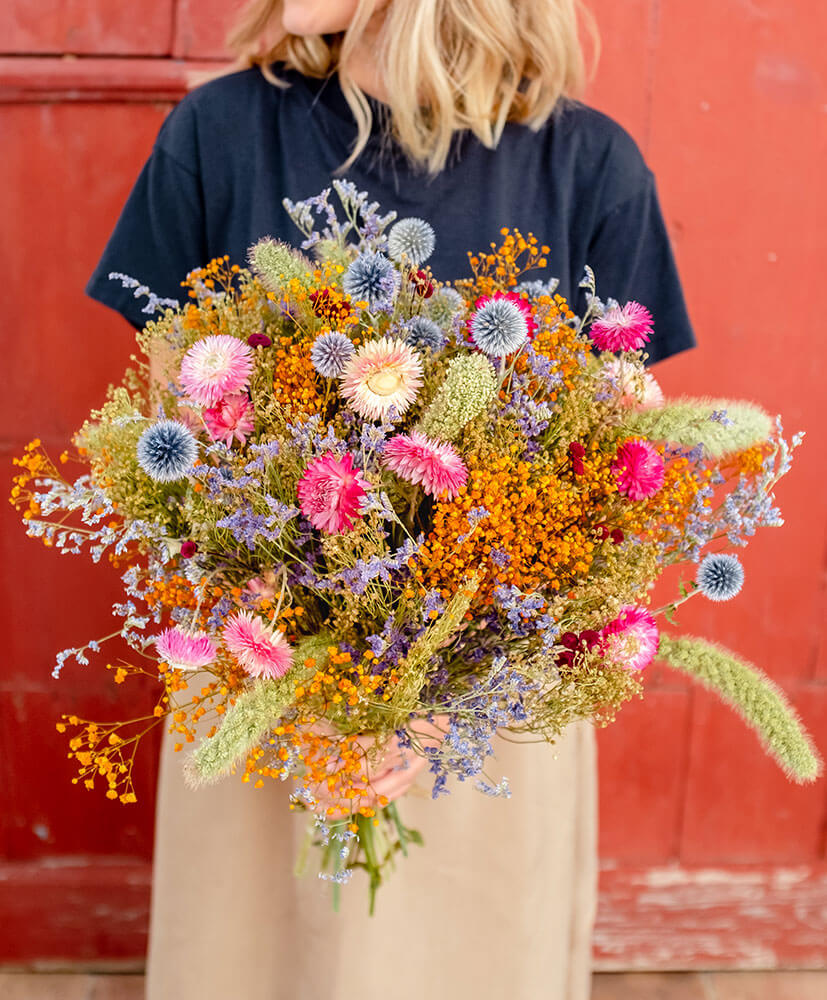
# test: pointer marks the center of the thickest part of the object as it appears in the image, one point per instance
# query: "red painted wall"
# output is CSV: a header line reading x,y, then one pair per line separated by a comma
x,y
709,856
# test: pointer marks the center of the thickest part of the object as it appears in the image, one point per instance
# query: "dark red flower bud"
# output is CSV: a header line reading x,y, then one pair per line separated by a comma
x,y
589,638
602,532
189,548
617,536
424,285
577,467
565,659
576,450
259,340
570,640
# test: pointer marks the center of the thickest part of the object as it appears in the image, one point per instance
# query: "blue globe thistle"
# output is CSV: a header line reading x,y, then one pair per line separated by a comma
x,y
720,576
445,304
330,353
373,279
167,451
499,328
423,332
534,289
411,238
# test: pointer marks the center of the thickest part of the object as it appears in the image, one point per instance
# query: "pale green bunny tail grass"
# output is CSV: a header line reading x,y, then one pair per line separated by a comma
x,y
469,386
720,425
253,714
414,668
276,263
754,696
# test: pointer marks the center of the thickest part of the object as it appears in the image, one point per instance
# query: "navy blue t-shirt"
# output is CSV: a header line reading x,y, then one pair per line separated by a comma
x,y
233,148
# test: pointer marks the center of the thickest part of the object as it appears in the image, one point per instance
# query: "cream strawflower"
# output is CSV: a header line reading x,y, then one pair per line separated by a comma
x,y
381,374
637,387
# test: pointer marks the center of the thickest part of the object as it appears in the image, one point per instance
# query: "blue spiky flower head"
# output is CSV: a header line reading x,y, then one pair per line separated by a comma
x,y
720,576
330,353
373,279
423,332
534,289
411,238
167,451
499,328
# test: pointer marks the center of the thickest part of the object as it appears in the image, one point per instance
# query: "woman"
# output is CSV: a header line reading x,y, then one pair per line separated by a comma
x,y
451,110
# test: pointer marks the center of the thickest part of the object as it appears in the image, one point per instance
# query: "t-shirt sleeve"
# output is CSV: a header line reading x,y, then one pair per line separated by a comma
x,y
160,235
632,259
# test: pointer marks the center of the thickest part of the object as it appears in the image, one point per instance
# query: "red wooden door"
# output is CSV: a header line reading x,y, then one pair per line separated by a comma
x,y
709,858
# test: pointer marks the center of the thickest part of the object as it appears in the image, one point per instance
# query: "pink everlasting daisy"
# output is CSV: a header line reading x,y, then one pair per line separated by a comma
x,y
261,651
330,491
638,469
185,650
231,417
631,640
622,329
638,388
215,367
379,375
419,459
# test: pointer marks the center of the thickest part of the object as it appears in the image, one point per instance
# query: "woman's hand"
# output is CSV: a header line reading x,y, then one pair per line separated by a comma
x,y
384,776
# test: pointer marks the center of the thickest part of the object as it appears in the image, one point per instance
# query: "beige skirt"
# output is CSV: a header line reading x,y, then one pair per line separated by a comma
x,y
498,903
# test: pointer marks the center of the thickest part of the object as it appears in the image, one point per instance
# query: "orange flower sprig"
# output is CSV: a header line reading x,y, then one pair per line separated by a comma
x,y
321,741
502,267
538,531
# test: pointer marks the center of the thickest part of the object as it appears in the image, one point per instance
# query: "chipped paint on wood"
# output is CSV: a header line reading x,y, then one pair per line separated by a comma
x,y
724,917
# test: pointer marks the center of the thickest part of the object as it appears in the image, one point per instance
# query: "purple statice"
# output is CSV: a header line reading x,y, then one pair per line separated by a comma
x,y
532,419
222,609
543,370
525,614
720,416
385,568
262,454
372,438
378,502
362,218
154,303
432,606
303,433
251,527
474,516
501,790
493,701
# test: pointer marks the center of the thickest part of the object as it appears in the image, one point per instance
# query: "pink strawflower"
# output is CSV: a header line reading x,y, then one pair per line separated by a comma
x,y
261,651
185,650
638,469
631,640
263,587
215,367
622,329
379,375
420,459
638,388
330,491
231,417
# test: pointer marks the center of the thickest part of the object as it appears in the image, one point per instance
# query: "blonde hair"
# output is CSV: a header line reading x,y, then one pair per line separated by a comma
x,y
446,65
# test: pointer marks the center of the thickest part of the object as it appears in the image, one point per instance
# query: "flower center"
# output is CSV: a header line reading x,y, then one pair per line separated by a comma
x,y
385,382
214,364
